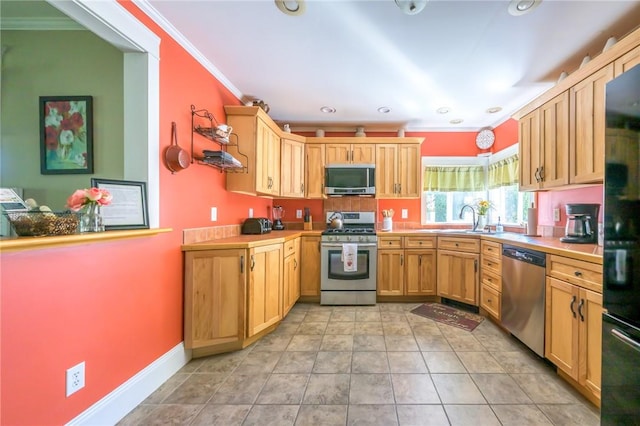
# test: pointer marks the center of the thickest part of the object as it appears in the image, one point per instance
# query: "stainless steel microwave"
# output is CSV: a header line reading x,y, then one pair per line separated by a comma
x,y
350,179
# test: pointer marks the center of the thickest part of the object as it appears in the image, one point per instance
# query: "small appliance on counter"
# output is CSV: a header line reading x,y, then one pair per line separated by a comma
x,y
256,225
278,213
582,224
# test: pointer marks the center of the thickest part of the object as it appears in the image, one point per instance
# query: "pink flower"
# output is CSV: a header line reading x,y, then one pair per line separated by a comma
x,y
83,197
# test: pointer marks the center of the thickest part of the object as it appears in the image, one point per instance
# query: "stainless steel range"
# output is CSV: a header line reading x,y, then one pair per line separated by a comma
x,y
348,259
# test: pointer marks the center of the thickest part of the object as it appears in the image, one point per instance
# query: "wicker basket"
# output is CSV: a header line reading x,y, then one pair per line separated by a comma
x,y
38,224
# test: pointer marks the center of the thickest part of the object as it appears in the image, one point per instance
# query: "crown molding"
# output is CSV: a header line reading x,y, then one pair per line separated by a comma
x,y
40,24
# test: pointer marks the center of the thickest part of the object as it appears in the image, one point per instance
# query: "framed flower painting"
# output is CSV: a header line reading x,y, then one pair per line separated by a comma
x,y
66,135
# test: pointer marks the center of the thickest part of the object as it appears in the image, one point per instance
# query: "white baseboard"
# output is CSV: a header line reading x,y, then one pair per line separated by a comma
x,y
114,406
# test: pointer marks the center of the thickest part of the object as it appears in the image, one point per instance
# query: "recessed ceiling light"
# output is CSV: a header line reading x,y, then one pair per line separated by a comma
x,y
328,109
520,7
291,7
443,110
384,110
456,121
493,110
411,7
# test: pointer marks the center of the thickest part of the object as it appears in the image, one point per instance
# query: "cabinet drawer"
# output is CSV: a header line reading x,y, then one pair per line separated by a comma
x,y
490,300
491,264
290,247
471,245
578,272
491,249
389,242
492,280
419,242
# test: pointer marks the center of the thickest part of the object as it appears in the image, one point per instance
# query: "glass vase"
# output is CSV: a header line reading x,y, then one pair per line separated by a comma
x,y
91,220
482,222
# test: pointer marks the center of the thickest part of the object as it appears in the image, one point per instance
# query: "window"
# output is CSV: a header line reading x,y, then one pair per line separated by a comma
x,y
452,182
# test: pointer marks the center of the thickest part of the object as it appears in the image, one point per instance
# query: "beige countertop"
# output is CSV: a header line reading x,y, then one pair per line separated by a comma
x,y
586,252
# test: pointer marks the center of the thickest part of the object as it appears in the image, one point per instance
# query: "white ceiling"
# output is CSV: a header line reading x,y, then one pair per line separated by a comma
x,y
357,56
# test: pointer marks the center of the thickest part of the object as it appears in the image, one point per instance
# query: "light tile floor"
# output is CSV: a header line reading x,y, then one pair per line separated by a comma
x,y
374,365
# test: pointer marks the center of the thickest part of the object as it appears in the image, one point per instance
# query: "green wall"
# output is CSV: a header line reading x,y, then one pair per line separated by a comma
x,y
53,63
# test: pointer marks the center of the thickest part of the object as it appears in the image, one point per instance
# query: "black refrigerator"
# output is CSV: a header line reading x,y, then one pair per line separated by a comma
x,y
620,396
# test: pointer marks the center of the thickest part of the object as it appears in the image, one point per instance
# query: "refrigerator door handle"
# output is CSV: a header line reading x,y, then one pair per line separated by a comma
x,y
622,336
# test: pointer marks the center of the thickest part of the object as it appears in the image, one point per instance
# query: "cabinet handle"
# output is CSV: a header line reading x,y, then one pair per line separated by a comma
x,y
253,262
573,302
580,305
457,244
541,173
401,259
242,264
399,188
420,259
295,264
351,155
475,265
318,246
302,188
577,273
537,174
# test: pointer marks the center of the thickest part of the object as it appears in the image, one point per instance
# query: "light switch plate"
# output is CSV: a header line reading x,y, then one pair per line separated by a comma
x,y
405,213
214,214
556,215
298,214
250,212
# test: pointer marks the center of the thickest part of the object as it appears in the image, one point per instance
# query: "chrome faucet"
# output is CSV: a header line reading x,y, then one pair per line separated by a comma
x,y
474,223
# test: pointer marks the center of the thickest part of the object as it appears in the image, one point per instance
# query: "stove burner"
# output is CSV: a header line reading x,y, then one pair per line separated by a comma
x,y
365,231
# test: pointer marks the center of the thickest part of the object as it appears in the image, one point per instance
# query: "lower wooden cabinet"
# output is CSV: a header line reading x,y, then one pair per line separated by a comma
x,y
458,276
420,272
406,266
264,291
291,278
491,277
573,332
214,302
390,272
310,266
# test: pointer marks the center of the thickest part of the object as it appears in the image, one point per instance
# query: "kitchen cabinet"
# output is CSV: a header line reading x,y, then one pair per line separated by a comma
x,y
458,269
398,172
406,266
587,129
291,275
310,266
293,166
265,287
573,320
353,153
259,143
215,282
627,61
544,145
491,277
314,169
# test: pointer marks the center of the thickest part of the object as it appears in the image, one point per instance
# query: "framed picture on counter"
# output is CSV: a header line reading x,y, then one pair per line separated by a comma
x,y
128,208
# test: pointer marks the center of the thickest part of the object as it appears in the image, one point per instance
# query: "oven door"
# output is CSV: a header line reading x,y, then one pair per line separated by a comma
x,y
334,276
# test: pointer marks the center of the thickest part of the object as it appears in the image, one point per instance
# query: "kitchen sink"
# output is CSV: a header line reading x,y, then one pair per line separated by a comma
x,y
452,231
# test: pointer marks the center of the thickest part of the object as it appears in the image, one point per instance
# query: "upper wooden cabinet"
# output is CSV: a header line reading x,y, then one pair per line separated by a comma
x,y
544,145
350,153
587,130
314,169
292,159
259,143
398,171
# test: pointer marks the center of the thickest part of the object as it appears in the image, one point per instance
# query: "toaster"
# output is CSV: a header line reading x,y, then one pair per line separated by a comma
x,y
256,225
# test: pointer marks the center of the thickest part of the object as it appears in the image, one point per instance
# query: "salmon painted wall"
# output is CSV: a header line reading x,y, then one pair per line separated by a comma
x,y
547,201
115,305
449,144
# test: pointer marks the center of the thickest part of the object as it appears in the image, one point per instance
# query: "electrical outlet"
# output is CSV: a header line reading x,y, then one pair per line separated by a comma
x,y
75,378
405,213
250,212
298,214
556,215
214,214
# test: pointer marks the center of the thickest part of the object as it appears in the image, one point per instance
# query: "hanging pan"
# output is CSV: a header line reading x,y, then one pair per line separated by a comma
x,y
176,158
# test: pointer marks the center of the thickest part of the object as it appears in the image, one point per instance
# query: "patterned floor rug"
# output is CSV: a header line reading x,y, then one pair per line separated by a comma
x,y
448,315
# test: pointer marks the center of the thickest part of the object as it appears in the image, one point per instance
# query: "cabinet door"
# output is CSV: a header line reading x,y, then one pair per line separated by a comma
x,y
265,283
586,138
420,272
561,327
310,266
263,141
273,162
529,150
409,173
291,282
386,171
390,272
363,154
458,276
554,141
292,176
338,153
314,168
214,297
590,346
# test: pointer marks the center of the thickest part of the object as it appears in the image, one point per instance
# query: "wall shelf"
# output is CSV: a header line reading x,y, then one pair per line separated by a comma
x,y
218,159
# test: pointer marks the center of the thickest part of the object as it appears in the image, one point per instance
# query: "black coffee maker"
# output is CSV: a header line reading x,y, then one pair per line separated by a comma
x,y
582,224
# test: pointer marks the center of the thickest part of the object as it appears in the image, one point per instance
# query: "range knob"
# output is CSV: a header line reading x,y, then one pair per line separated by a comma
x,y
348,237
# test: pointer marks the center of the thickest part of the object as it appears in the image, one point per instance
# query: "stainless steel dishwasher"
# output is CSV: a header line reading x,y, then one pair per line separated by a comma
x,y
523,295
